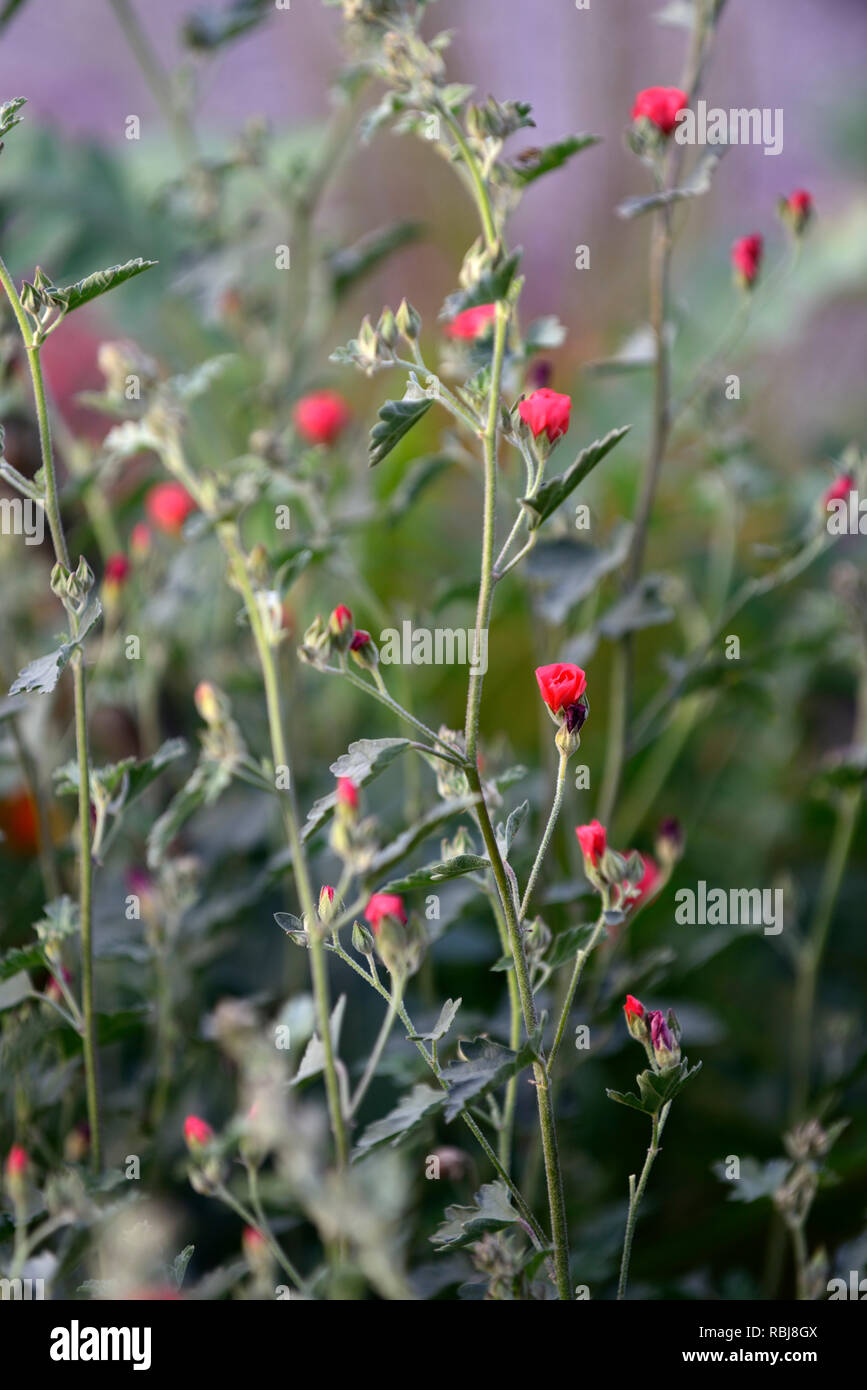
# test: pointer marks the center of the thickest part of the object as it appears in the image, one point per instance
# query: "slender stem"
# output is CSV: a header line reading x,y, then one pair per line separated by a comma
x,y
581,959
483,201
378,1047
510,1103
636,1194
85,867
263,1225
249,1219
546,838
280,755
156,77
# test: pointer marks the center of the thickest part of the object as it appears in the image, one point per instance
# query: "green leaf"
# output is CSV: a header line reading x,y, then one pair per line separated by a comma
x,y
487,1066
313,1061
563,572
493,1211
209,29
180,1264
208,781
626,1098
39,677
542,161
641,607
556,490
437,872
129,776
396,418
351,264
21,958
698,183
365,759
491,287
392,853
9,117
100,282
14,989
756,1180
507,833
447,1016
401,1122
568,943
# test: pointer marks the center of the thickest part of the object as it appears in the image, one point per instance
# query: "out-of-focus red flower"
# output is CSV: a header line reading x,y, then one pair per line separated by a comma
x,y
197,1132
384,905
797,209
660,106
117,569
546,412
168,505
593,841
649,881
840,489
347,793
633,1008
17,1162
321,417
19,824
472,323
747,258
139,541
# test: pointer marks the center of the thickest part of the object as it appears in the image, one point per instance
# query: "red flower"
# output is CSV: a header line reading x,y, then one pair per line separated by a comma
x,y
840,489
660,106
252,1240
649,881
797,209
139,541
347,793
19,824
340,620
746,259
360,639
472,322
17,1162
168,505
384,905
562,685
593,841
321,417
197,1133
546,412
633,1008
117,568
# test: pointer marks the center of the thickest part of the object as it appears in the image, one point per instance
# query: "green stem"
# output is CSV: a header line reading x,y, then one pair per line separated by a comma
x,y
483,201
85,868
378,1046
250,1219
546,838
636,1194
156,77
580,961
280,755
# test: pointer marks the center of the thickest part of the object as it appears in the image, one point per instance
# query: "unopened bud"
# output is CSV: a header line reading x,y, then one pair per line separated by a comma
x,y
408,320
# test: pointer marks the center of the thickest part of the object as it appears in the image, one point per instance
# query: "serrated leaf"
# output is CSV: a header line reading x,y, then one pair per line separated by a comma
x,y
487,1066
507,833
437,872
556,490
401,1122
392,853
568,943
352,263
493,1211
40,676
698,183
396,419
21,958
447,1016
313,1061
542,161
100,282
132,775
626,1098
364,760
9,117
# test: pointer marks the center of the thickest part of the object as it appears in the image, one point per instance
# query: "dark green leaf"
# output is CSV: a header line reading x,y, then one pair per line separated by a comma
x,y
396,418
698,183
392,853
437,872
349,265
542,161
100,282
490,288
556,490
641,607
21,958
493,1211
401,1122
208,29
487,1066
447,1016
366,759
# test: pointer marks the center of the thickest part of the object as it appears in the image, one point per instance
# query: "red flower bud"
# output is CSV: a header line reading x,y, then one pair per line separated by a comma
x,y
546,412
660,106
384,905
633,1008
321,417
139,541
747,258
472,323
17,1162
593,841
561,684
797,209
360,639
647,884
168,505
197,1133
840,489
117,568
636,1021
347,793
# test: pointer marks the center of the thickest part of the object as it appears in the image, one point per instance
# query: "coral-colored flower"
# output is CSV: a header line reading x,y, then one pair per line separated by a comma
x,y
747,258
546,412
593,841
340,620
472,323
649,881
117,568
633,1008
840,489
17,1162
168,505
321,417
360,639
561,684
347,793
197,1133
660,105
384,905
